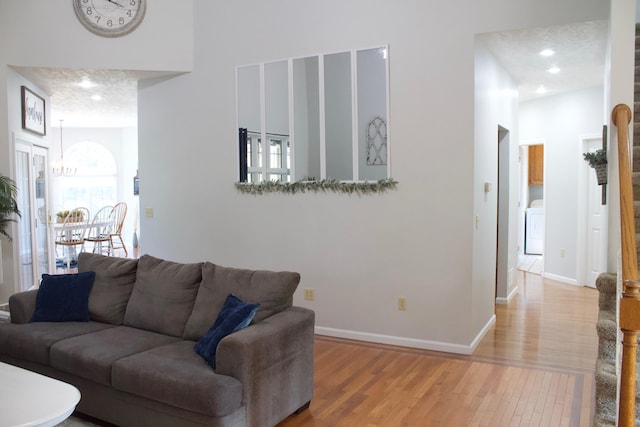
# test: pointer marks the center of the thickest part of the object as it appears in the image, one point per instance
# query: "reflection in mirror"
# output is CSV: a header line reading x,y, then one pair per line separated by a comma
x,y
306,113
248,89
277,121
319,117
372,114
338,122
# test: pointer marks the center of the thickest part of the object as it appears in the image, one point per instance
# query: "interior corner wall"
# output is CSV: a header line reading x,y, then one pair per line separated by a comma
x,y
359,253
562,121
496,104
53,23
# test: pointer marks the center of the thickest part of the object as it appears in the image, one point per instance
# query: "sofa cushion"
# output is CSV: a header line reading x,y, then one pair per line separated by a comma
x,y
64,298
175,375
233,316
112,287
163,295
272,290
90,356
32,341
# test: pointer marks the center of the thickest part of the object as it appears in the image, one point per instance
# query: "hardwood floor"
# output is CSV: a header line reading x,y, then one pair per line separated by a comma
x,y
534,368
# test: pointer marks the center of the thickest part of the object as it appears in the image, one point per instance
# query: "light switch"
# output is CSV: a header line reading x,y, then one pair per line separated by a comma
x,y
148,212
487,186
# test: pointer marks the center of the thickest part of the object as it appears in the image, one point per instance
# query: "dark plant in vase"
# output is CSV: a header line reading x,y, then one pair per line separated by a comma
x,y
598,160
8,204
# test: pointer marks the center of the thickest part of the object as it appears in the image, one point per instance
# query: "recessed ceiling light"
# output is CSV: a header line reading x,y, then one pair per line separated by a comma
x,y
553,70
86,83
547,52
96,97
541,89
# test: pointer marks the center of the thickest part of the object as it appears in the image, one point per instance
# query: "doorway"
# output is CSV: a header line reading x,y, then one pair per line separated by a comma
x,y
502,240
531,212
34,256
592,226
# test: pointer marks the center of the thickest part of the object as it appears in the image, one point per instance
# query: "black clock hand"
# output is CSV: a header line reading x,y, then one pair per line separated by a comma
x,y
116,3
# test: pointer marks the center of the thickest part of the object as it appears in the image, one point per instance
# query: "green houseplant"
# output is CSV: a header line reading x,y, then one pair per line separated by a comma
x,y
598,160
8,204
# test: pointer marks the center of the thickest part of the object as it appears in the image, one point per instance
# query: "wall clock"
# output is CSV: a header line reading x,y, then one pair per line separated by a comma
x,y
110,18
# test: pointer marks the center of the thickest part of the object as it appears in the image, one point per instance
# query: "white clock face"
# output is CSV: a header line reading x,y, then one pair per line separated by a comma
x,y
110,18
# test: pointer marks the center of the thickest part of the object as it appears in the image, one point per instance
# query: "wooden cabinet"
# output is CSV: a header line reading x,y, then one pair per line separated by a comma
x,y
536,164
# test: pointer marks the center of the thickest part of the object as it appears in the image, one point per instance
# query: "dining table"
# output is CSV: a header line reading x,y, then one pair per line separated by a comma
x,y
72,228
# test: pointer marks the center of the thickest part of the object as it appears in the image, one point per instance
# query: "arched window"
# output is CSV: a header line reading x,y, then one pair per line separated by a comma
x,y
95,183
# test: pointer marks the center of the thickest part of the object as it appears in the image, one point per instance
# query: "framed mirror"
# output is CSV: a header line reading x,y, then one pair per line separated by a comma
x,y
314,118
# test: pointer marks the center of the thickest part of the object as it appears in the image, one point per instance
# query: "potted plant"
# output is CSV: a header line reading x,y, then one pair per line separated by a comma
x,y
8,204
61,215
598,160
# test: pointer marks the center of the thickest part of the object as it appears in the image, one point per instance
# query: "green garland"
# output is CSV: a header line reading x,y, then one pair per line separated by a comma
x,y
324,186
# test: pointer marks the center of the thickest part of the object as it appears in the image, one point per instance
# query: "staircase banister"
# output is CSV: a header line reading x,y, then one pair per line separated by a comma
x,y
630,302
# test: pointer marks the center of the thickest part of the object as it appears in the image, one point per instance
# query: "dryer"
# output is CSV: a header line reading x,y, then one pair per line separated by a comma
x,y
534,228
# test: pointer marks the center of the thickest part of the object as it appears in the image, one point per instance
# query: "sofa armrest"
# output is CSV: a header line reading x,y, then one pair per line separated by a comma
x,y
273,359
22,306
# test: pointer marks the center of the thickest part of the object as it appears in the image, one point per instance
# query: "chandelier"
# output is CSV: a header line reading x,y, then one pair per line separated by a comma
x,y
59,168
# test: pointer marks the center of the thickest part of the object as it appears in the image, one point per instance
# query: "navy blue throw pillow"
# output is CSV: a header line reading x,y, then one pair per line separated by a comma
x,y
64,298
233,316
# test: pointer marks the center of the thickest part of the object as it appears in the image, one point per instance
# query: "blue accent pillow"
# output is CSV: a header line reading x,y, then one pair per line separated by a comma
x,y
233,316
64,298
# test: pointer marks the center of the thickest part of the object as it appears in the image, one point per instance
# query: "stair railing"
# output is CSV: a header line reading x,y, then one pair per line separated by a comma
x,y
630,301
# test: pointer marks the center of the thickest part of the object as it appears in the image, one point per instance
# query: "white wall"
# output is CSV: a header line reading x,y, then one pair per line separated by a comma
x,y
496,104
562,121
359,253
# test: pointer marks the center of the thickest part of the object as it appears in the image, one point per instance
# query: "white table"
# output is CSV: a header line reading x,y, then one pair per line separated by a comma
x,y
30,399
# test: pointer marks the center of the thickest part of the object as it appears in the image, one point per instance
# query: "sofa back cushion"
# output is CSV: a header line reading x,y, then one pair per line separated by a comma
x,y
272,290
112,287
163,295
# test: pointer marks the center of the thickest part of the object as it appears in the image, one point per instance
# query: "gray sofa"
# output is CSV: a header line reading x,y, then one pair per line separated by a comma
x,y
134,360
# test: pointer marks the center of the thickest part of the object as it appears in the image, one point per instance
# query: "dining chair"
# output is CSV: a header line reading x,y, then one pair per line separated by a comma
x,y
119,213
72,233
100,229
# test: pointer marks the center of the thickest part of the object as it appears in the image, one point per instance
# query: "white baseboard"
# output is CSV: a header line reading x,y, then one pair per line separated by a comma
x,y
560,278
509,297
407,342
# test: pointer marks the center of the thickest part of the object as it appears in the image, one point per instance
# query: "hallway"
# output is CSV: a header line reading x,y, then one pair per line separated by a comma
x,y
535,367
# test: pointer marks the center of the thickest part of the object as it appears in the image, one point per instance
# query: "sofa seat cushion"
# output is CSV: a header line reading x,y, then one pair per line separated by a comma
x,y
90,356
163,295
174,374
32,341
112,286
273,290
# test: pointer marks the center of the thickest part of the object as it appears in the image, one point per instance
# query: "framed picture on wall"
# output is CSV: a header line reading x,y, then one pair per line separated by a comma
x,y
33,117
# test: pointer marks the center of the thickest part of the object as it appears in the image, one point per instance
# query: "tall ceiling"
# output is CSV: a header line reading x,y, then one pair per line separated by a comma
x,y
580,51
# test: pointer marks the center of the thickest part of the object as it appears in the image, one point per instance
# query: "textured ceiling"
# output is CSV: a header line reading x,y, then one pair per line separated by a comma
x,y
580,51
73,104
580,56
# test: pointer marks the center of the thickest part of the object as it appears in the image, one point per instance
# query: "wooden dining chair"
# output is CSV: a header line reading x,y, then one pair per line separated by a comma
x,y
119,213
99,232
72,233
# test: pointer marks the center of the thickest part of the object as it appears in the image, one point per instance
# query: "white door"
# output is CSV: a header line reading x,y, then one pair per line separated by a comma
x,y
33,235
595,254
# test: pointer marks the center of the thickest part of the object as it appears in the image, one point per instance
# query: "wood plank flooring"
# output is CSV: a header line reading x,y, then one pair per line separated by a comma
x,y
534,368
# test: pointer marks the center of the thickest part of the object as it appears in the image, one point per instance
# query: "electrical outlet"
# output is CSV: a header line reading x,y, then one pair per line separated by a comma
x,y
402,304
562,253
309,294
